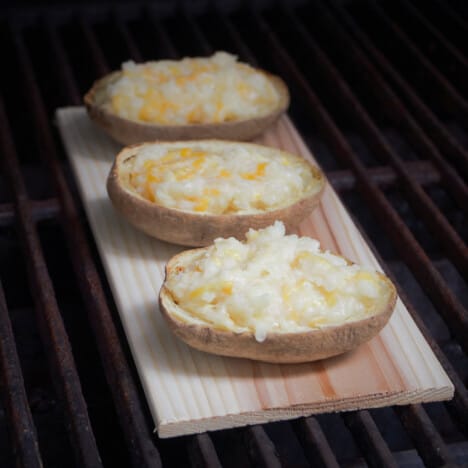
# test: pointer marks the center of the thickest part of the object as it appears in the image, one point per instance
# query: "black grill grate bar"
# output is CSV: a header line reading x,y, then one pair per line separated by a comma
x,y
314,443
450,96
51,326
428,442
422,172
127,403
402,238
161,34
22,429
457,22
96,53
244,52
399,115
455,56
123,30
260,448
368,437
7,214
64,70
433,126
40,210
199,37
421,202
203,452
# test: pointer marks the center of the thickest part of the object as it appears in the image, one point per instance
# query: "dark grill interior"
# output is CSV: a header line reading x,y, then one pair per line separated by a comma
x,y
379,93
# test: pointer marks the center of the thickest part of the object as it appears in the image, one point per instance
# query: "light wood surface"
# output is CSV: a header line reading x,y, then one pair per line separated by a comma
x,y
190,391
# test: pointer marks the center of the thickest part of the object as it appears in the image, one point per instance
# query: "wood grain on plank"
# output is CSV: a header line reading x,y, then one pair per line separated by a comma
x,y
189,391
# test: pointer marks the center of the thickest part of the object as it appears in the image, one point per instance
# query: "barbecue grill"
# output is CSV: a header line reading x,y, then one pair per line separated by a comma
x,y
378,93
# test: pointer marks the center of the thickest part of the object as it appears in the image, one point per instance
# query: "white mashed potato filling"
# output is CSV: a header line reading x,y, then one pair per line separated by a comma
x,y
192,91
273,283
232,179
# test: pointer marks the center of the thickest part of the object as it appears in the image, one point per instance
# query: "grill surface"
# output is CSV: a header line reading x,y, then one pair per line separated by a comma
x,y
379,94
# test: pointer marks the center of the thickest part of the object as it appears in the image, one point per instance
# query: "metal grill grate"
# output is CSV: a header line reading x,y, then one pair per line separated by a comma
x,y
379,94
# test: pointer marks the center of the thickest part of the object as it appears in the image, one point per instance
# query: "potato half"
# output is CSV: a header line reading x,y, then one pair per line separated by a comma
x,y
224,333
192,228
130,131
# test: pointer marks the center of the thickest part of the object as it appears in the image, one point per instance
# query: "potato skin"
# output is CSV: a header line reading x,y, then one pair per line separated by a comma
x,y
129,132
192,229
277,347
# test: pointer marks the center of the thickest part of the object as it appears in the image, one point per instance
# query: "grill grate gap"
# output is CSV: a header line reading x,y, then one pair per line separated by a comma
x,y
445,204
111,42
339,437
229,444
79,57
314,443
417,295
391,429
181,38
448,430
288,447
173,451
369,439
355,203
12,271
252,39
456,282
398,200
145,38
216,33
15,101
35,41
6,449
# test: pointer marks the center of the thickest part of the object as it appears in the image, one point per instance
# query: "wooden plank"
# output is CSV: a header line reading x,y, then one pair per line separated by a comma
x,y
189,391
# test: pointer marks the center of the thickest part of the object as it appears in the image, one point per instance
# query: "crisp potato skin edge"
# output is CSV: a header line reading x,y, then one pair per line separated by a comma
x,y
129,132
192,229
277,347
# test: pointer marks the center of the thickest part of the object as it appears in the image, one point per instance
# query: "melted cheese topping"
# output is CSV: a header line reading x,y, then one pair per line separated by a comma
x,y
273,283
192,91
214,179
